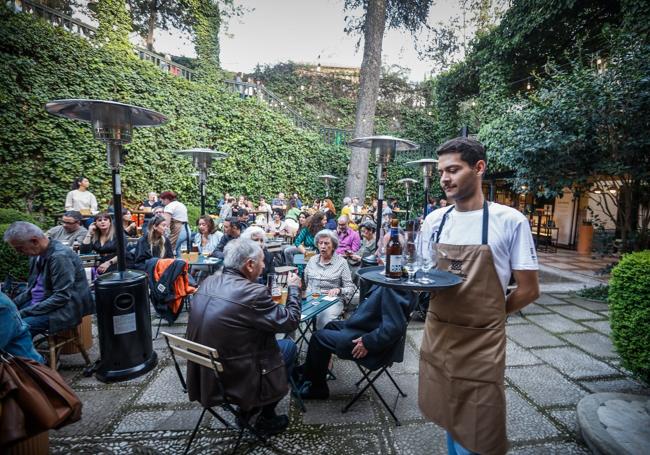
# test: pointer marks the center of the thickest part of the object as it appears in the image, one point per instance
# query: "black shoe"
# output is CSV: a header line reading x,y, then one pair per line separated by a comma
x,y
269,426
309,392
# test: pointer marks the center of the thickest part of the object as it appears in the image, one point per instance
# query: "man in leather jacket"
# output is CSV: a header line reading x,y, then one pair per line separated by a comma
x,y
57,294
234,314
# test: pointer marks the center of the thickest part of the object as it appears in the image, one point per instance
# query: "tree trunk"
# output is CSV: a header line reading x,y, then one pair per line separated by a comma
x,y
367,101
151,23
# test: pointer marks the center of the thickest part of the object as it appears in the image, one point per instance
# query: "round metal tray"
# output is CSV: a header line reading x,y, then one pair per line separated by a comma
x,y
442,280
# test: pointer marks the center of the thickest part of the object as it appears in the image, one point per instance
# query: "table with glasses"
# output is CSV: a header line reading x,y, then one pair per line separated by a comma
x,y
203,263
438,279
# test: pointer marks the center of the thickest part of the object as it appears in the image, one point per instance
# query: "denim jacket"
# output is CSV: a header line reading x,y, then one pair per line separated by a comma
x,y
14,333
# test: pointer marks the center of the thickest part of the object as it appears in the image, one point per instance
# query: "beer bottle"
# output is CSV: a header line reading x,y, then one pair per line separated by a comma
x,y
394,252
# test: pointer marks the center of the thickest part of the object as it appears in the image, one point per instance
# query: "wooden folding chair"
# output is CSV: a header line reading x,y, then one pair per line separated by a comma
x,y
207,357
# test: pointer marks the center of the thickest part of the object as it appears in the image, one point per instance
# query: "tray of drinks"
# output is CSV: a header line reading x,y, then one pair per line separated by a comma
x,y
431,280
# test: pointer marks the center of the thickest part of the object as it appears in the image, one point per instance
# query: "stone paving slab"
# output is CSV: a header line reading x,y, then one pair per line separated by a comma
x,y
347,374
515,319
602,326
405,408
518,356
99,408
556,323
569,419
145,421
546,299
416,337
524,422
594,343
554,448
624,385
328,412
530,336
574,363
164,389
575,313
545,386
592,305
534,308
419,439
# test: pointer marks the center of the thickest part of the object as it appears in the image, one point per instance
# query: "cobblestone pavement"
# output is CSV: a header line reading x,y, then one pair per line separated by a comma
x,y
558,351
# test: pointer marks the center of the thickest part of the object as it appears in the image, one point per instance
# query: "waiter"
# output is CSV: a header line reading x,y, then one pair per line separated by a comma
x,y
462,358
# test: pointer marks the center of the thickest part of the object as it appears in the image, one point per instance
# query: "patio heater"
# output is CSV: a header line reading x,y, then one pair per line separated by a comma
x,y
408,183
383,148
202,159
327,178
121,297
428,165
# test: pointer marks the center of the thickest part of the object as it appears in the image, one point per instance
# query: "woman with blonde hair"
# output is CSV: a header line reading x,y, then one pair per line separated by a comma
x,y
154,244
102,240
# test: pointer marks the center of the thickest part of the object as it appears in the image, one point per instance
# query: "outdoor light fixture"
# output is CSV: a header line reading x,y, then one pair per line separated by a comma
x,y
528,86
123,315
408,183
202,158
327,178
428,166
383,148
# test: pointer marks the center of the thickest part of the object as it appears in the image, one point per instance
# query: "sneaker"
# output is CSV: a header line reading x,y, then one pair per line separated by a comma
x,y
269,426
309,392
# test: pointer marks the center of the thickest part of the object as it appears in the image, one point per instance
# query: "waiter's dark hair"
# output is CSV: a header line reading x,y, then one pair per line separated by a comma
x,y
471,151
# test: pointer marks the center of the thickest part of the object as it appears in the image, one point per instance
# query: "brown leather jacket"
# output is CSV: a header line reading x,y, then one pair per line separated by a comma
x,y
239,319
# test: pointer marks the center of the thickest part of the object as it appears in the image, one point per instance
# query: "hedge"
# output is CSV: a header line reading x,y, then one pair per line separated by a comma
x,y
41,154
629,304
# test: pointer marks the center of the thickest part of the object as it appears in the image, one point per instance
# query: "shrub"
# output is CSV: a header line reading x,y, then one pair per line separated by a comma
x,y
629,302
11,262
8,216
595,293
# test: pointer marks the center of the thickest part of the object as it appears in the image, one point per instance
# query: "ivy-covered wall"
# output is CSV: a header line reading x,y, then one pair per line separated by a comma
x,y
40,154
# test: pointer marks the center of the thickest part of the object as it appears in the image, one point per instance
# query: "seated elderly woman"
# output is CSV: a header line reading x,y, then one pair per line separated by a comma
x,y
328,273
207,239
256,234
154,244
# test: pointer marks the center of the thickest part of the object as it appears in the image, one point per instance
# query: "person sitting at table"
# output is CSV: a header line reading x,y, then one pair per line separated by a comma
x,y
101,239
302,220
368,244
256,234
277,226
292,213
305,238
346,210
226,208
57,294
207,239
349,241
367,336
243,216
154,244
234,314
297,199
356,211
176,214
80,199
148,205
328,273
315,207
265,210
130,228
327,207
279,202
70,230
15,337
232,229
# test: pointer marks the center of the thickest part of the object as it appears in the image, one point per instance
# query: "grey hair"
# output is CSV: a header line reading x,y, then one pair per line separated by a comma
x,y
347,200
238,251
327,233
251,231
22,231
344,218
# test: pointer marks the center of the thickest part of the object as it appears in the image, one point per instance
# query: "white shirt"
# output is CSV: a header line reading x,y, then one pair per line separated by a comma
x,y
509,236
78,200
177,210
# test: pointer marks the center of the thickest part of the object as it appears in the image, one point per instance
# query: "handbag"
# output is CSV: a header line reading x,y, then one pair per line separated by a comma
x,y
33,398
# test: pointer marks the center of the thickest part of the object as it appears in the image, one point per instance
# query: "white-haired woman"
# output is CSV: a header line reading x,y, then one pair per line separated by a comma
x,y
257,234
328,273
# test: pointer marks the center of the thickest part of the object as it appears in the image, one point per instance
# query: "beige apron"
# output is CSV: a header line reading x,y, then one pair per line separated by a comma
x,y
462,358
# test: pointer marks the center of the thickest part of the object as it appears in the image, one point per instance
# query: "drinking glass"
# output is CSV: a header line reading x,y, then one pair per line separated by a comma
x,y
274,287
428,260
314,285
380,253
410,259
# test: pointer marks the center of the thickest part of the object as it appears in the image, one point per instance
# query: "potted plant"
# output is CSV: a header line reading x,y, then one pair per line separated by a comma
x,y
585,237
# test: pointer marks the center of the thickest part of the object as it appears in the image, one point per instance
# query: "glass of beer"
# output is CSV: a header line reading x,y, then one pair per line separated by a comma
x,y
283,296
315,288
274,287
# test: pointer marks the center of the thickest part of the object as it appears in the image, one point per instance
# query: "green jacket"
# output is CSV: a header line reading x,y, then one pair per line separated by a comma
x,y
304,236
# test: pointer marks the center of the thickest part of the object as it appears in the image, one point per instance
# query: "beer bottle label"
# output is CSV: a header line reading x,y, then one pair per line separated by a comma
x,y
395,264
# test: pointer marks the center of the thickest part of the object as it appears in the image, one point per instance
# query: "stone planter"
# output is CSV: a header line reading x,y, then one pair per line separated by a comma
x,y
585,238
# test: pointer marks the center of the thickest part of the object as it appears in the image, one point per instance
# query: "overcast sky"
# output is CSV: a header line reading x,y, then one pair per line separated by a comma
x,y
300,30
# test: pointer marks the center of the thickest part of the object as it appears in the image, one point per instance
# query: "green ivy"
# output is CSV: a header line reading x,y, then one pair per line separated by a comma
x,y
41,154
629,303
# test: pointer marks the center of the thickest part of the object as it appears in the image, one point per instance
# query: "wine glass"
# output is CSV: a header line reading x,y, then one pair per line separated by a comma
x,y
428,259
410,259
380,253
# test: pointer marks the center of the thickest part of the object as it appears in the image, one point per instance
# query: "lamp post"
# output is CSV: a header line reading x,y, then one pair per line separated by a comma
x,y
383,148
408,183
123,317
428,165
202,159
327,178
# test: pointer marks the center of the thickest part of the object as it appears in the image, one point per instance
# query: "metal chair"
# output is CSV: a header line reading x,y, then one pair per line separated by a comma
x,y
208,357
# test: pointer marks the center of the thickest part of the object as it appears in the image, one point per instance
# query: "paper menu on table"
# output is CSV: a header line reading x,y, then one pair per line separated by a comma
x,y
329,298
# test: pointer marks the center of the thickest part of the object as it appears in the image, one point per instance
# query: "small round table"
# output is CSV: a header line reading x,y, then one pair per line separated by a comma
x,y
441,280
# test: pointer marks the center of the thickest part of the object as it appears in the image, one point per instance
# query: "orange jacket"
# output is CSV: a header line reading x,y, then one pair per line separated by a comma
x,y
182,286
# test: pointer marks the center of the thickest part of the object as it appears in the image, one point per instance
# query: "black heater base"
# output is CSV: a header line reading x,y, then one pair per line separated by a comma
x,y
107,375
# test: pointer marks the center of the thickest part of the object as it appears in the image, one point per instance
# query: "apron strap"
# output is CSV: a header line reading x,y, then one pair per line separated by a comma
x,y
484,233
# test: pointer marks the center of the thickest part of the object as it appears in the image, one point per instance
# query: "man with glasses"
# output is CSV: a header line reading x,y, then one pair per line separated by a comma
x,y
349,240
69,229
